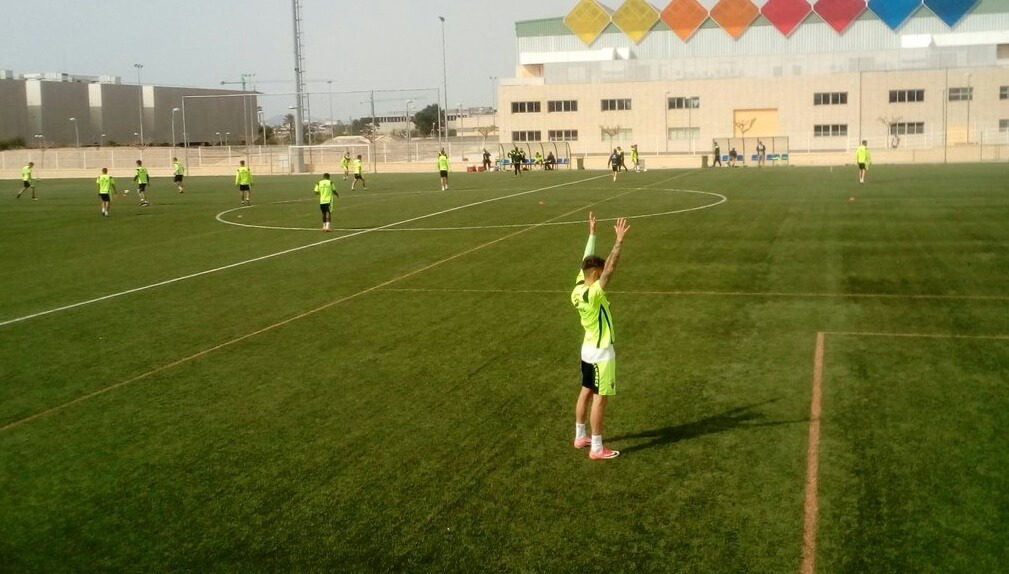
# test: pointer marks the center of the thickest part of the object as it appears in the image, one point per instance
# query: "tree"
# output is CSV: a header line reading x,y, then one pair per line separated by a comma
x,y
426,119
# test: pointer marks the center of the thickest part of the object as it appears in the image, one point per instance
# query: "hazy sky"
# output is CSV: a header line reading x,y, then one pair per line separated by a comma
x,y
359,45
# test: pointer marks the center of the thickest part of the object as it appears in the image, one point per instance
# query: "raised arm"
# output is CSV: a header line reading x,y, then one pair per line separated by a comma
x,y
611,262
590,245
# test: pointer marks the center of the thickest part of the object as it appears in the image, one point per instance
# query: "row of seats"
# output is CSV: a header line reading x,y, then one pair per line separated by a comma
x,y
770,157
507,162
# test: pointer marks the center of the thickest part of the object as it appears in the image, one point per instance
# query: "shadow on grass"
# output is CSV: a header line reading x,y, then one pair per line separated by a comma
x,y
732,419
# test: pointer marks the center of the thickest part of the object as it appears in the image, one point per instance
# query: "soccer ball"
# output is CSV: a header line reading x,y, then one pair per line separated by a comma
x,y
126,192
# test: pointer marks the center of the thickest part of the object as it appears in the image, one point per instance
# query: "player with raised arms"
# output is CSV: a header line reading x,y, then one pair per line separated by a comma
x,y
599,367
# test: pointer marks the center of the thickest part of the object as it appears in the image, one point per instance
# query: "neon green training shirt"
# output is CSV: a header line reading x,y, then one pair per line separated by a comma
x,y
357,166
345,162
142,175
106,183
443,163
594,311
243,176
179,170
325,190
862,155
26,173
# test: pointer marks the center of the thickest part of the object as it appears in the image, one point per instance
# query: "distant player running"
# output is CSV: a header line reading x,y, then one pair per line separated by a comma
x,y
443,169
358,174
345,165
142,179
26,179
179,171
325,190
614,163
599,367
243,179
863,159
106,187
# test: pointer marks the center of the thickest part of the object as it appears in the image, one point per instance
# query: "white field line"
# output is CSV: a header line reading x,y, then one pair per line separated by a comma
x,y
722,199
289,320
284,252
725,294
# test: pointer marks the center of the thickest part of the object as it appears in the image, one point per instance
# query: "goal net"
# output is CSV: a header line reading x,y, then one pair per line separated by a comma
x,y
324,158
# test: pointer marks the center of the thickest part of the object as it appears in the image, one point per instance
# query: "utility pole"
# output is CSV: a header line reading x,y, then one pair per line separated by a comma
x,y
299,87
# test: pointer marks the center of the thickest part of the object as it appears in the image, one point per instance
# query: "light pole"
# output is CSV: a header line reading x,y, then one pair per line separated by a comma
x,y
173,127
227,138
141,88
101,140
458,114
137,136
262,124
408,130
444,75
332,134
665,119
218,139
493,92
77,133
41,139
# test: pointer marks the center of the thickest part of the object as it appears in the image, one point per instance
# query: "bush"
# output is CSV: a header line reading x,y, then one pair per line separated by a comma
x,y
13,143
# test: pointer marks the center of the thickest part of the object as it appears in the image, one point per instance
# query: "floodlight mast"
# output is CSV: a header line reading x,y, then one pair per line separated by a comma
x,y
299,88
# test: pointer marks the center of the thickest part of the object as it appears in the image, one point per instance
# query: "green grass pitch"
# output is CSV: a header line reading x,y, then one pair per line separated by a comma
x,y
194,386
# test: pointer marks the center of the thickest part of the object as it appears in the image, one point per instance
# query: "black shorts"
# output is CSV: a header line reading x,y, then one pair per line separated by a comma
x,y
358,176
178,178
142,186
324,207
861,166
244,187
616,167
443,173
589,377
27,183
103,196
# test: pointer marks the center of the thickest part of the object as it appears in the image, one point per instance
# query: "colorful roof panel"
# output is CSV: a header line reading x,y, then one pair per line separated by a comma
x,y
734,16
839,14
894,12
587,20
786,15
951,11
635,18
684,17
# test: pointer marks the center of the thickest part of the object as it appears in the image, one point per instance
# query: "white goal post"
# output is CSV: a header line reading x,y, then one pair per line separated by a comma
x,y
325,158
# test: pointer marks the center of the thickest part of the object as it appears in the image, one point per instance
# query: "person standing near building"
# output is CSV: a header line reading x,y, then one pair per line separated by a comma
x,y
443,169
358,174
614,163
27,181
486,160
178,170
106,187
142,179
243,179
635,160
863,159
761,153
345,164
598,357
620,158
326,190
517,159
718,154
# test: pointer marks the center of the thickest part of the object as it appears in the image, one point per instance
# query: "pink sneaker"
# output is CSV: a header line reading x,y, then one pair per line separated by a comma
x,y
583,442
604,454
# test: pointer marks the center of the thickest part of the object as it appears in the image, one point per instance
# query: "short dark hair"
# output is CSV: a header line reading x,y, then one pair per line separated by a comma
x,y
325,176
593,262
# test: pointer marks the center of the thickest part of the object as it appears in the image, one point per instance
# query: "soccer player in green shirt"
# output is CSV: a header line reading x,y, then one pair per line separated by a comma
x,y
26,179
345,164
243,179
863,159
635,159
143,179
443,168
325,190
179,171
599,368
106,187
358,174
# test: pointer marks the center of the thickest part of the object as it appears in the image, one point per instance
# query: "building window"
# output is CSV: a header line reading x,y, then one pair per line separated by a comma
x,y
961,94
525,107
679,103
617,105
617,134
562,106
527,136
676,134
830,98
562,135
1003,93
900,96
907,128
830,130
1003,126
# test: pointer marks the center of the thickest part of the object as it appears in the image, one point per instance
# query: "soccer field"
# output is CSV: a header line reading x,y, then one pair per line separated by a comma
x,y
812,375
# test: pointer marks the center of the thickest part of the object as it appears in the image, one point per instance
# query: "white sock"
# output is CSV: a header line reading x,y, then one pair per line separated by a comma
x,y
597,443
579,431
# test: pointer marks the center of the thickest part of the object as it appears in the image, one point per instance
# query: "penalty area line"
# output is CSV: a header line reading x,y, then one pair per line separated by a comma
x,y
280,253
